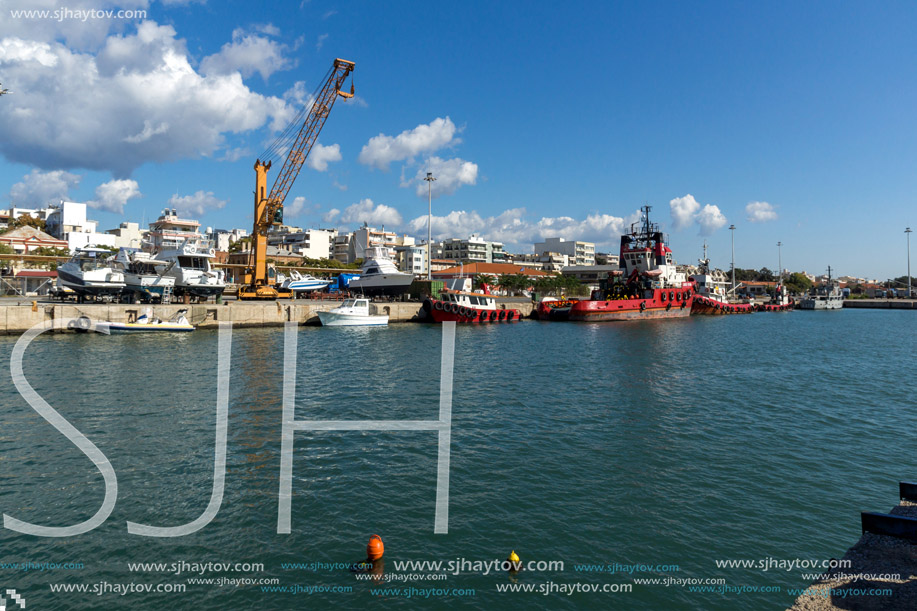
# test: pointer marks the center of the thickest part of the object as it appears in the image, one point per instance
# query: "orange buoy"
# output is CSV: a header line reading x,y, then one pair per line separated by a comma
x,y
374,549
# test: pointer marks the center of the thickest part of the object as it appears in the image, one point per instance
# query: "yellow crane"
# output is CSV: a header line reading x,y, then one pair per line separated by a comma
x,y
269,206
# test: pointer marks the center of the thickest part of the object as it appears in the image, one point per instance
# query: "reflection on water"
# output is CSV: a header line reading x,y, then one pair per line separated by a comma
x,y
659,442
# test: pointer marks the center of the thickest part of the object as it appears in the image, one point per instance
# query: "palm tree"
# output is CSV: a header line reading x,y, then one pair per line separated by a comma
x,y
482,279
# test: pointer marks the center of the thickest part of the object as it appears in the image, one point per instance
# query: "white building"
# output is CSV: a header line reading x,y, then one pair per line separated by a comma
x,y
347,248
127,235
169,232
473,250
412,258
580,253
68,221
222,238
311,243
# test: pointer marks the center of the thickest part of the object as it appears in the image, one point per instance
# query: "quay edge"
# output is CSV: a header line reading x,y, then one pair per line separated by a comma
x,y
20,316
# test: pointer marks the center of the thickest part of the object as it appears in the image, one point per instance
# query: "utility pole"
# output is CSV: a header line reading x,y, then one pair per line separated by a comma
x,y
430,180
908,234
732,228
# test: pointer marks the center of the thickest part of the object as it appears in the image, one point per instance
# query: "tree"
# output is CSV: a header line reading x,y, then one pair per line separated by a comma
x,y
482,279
765,275
601,259
25,220
6,249
797,283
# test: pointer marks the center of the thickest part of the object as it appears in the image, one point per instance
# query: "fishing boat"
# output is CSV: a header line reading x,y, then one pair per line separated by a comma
x,y
468,307
379,276
826,297
552,308
147,323
143,281
190,266
301,283
357,312
89,273
710,287
647,286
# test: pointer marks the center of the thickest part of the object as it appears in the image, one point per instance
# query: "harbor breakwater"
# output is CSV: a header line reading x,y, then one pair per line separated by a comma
x,y
20,316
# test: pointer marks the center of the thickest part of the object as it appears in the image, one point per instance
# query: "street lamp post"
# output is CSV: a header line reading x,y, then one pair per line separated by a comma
x,y
732,228
779,262
907,232
430,180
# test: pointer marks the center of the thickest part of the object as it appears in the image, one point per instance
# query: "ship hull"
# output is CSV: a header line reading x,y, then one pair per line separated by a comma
x,y
635,309
712,307
439,311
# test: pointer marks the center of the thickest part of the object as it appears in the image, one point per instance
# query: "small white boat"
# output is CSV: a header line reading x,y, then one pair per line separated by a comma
x,y
147,323
352,313
301,283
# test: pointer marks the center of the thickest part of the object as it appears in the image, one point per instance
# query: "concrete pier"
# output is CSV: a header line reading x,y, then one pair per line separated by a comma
x,y
19,316
884,304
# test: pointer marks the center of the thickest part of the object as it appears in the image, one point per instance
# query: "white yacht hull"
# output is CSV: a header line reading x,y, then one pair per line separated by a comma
x,y
382,284
337,319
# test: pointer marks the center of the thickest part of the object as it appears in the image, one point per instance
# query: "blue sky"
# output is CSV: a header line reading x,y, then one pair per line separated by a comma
x,y
540,119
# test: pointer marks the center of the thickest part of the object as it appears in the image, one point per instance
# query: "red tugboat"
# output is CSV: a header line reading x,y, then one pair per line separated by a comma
x,y
462,306
648,285
711,292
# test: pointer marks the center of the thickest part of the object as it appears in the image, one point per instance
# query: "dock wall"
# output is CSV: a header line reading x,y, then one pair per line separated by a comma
x,y
16,318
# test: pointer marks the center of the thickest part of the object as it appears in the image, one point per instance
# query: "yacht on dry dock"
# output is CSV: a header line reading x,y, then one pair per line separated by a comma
x,y
190,266
89,273
142,279
379,276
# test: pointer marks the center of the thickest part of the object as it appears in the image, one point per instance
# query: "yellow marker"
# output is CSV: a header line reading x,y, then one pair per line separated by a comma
x,y
513,557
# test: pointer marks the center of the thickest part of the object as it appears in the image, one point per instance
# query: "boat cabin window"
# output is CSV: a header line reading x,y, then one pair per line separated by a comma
x,y
188,262
372,270
91,264
349,303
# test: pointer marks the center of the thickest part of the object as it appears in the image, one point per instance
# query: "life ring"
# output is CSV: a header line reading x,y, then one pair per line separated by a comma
x,y
438,305
493,315
502,314
212,252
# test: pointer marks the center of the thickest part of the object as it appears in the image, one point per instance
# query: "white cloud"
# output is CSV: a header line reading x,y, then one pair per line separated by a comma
x,y
196,205
365,211
112,196
450,174
382,150
320,156
687,211
512,227
331,215
268,28
296,208
137,100
710,219
247,54
760,212
683,210
39,188
321,41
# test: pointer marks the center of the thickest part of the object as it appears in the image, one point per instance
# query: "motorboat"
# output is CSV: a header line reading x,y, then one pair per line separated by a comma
x,y
301,283
353,313
379,276
190,266
143,279
147,323
89,273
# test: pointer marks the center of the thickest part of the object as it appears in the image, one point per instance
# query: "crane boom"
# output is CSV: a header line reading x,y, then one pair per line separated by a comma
x,y
269,207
